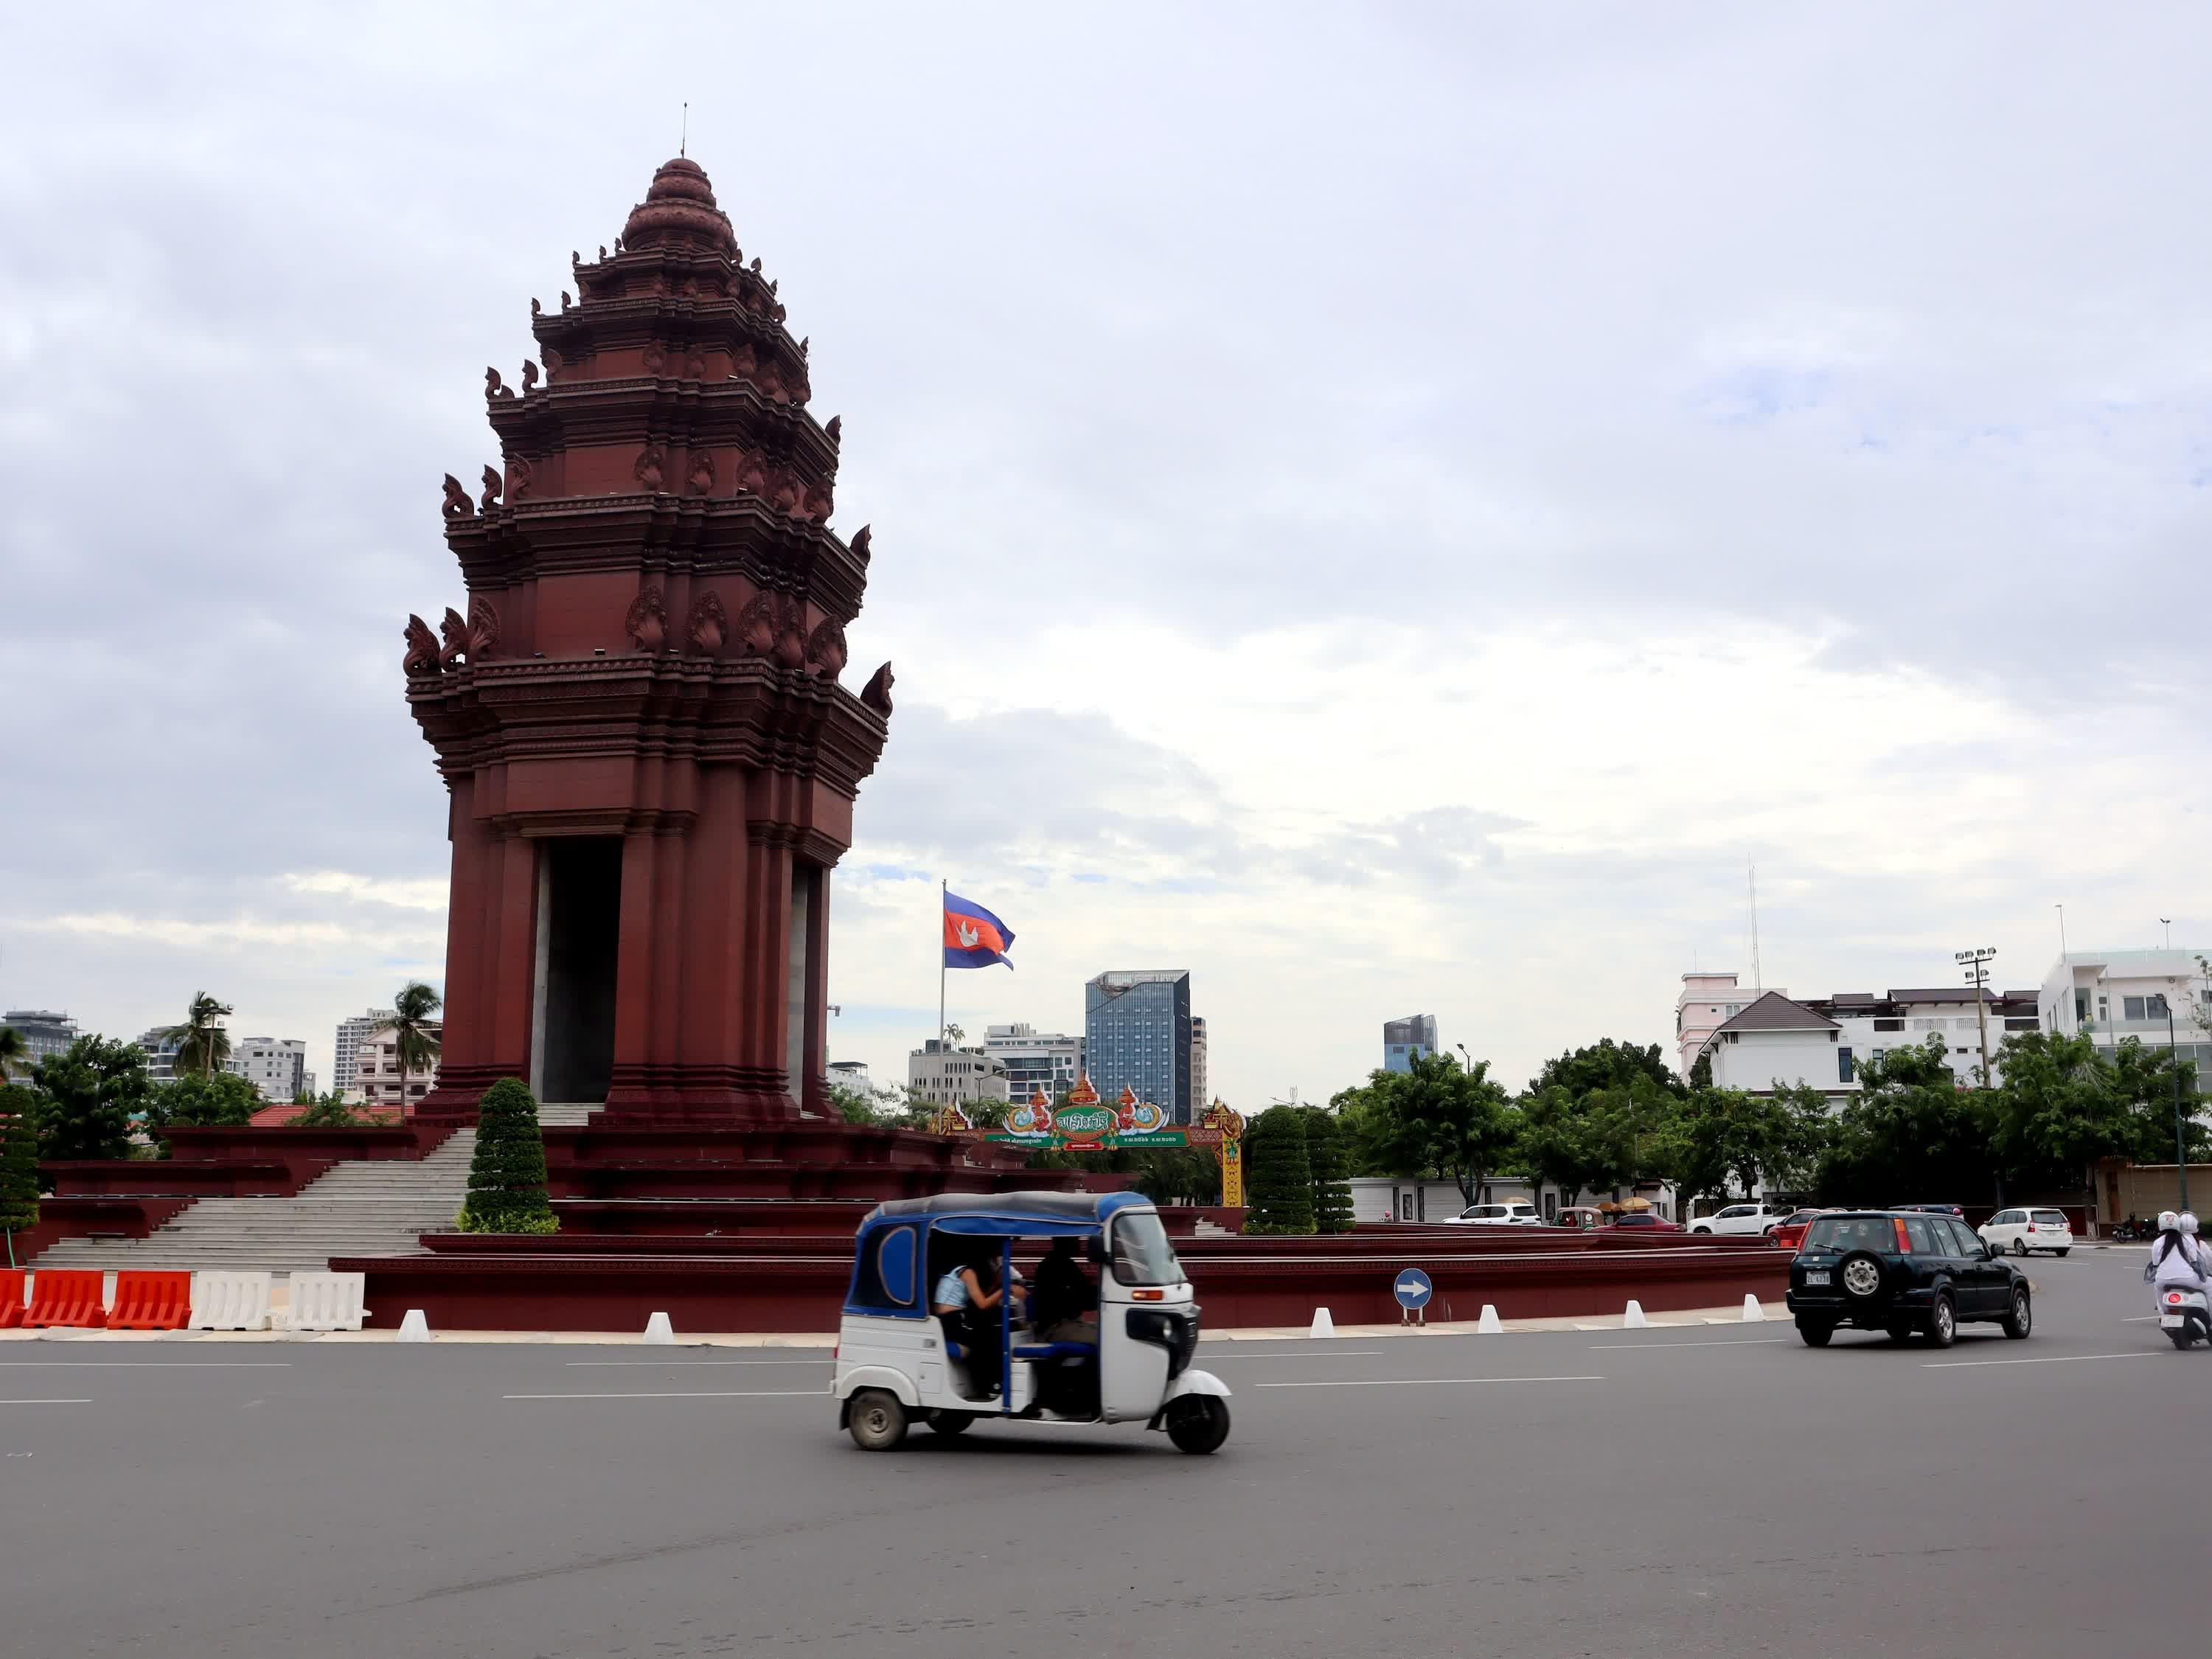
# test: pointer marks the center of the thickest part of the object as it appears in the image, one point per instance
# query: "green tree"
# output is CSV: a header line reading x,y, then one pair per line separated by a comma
x,y
203,1045
1332,1183
1280,1195
507,1176
19,1162
2143,1077
1911,1130
326,1111
1438,1119
854,1106
2055,1112
1606,1065
86,1097
1731,1136
14,1053
197,1100
412,1025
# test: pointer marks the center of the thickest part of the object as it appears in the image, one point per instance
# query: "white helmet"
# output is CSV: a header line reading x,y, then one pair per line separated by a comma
x,y
2186,1221
2167,1221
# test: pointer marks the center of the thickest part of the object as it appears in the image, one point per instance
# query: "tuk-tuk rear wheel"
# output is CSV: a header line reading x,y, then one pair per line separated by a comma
x,y
1198,1424
878,1421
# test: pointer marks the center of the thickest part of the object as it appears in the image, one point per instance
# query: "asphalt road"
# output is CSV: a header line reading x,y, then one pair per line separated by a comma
x,y
1679,1491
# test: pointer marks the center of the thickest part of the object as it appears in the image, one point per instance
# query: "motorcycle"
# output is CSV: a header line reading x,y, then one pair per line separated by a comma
x,y
2185,1314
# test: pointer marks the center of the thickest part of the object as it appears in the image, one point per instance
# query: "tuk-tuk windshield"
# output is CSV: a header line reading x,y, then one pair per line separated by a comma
x,y
1142,1254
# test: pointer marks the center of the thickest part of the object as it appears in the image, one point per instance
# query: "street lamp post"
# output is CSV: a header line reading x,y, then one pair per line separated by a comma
x,y
2180,1136
1978,976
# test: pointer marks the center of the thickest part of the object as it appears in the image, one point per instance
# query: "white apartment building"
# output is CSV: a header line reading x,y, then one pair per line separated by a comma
x,y
160,1051
852,1074
1706,1003
376,1073
1200,1099
344,1069
945,1074
46,1035
2117,994
1050,1060
275,1066
1772,1041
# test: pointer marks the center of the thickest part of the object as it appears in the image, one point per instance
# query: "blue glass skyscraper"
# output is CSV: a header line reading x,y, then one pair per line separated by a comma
x,y
1136,1033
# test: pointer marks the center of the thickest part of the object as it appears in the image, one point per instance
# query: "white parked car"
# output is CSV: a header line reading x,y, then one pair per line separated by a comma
x,y
1749,1220
2022,1230
1497,1215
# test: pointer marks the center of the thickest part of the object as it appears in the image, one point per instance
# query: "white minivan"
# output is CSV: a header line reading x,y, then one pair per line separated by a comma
x,y
2022,1230
1497,1215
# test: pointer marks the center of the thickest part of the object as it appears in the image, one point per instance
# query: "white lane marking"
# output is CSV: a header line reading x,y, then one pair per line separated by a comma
x,y
727,1393
1347,1353
158,1364
45,1402
1419,1381
2053,1359
701,1364
1728,1342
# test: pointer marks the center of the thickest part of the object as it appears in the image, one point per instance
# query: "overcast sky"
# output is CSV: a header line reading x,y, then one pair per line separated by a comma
x,y
1392,510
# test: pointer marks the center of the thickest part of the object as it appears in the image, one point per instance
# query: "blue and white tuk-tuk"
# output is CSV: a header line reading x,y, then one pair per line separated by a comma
x,y
897,1361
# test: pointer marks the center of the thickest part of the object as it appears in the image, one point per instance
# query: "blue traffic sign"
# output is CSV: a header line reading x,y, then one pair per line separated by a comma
x,y
1412,1289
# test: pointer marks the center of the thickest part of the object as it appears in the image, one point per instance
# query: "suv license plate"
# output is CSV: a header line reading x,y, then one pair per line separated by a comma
x,y
2172,1322
1816,1276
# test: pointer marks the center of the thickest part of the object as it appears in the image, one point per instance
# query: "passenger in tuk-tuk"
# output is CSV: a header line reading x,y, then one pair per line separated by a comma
x,y
1063,1308
966,1302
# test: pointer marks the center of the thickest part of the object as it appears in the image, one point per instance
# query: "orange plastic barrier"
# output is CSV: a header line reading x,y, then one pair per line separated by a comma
x,y
11,1297
148,1301
67,1296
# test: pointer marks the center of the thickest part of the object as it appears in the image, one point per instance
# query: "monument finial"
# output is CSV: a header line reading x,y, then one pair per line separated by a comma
x,y
683,138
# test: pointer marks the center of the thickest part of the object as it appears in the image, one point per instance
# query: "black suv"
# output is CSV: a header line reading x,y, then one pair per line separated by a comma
x,y
1902,1271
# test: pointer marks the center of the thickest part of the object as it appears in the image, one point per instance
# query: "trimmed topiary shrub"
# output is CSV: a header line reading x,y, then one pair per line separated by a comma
x,y
1332,1172
506,1177
1280,1180
19,1162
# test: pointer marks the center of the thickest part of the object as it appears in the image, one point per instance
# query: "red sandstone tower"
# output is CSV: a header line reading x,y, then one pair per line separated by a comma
x,y
652,763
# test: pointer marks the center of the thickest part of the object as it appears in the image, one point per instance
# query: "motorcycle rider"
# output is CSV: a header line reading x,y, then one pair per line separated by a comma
x,y
2177,1258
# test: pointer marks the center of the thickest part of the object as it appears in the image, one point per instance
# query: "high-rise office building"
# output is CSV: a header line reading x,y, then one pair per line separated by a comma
x,y
276,1066
46,1035
1402,1039
1136,1033
1200,1099
345,1071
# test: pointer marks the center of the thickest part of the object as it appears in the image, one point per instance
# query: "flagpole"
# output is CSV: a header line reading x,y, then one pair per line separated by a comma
x,y
944,893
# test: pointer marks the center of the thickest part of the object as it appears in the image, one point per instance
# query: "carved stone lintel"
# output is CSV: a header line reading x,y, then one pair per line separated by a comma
x,y
652,466
707,625
457,504
422,658
826,648
456,633
876,693
483,630
647,622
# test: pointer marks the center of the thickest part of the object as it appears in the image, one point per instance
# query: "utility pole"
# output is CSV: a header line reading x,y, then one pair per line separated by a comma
x,y
1976,964
2180,1124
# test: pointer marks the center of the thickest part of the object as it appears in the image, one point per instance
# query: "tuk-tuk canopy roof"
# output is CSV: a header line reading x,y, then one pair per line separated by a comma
x,y
1011,1213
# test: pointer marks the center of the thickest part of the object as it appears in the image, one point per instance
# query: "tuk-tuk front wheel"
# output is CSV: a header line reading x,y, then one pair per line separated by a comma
x,y
1198,1423
877,1420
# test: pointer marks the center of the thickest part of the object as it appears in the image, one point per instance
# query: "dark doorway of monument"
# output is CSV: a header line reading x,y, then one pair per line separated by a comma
x,y
579,933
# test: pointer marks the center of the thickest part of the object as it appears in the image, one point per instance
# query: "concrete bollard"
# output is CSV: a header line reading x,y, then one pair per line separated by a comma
x,y
659,1333
414,1328
1633,1319
1752,1313
1489,1324
1322,1324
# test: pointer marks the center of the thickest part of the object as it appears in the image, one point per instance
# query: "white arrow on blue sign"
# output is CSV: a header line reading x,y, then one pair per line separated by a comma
x,y
1412,1289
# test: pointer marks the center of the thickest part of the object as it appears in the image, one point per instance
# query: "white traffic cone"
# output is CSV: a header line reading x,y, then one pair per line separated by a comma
x,y
1752,1313
1633,1319
659,1333
1322,1324
414,1328
1489,1324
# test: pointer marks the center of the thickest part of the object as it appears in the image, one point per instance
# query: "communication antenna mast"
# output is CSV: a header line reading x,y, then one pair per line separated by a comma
x,y
1758,981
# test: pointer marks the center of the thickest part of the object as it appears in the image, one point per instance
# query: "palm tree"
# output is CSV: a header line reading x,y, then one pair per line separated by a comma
x,y
413,1030
203,1045
13,1051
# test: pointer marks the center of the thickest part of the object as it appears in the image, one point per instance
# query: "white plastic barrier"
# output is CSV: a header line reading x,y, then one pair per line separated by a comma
x,y
1322,1324
659,1333
1633,1318
413,1328
1752,1313
1489,1324
230,1300
327,1301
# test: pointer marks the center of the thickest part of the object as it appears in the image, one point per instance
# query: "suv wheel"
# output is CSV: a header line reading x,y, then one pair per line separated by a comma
x,y
1942,1322
2021,1320
1816,1331
2019,1246
1860,1274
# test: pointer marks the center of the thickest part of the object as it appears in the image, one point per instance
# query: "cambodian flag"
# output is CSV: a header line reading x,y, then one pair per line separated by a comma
x,y
974,938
